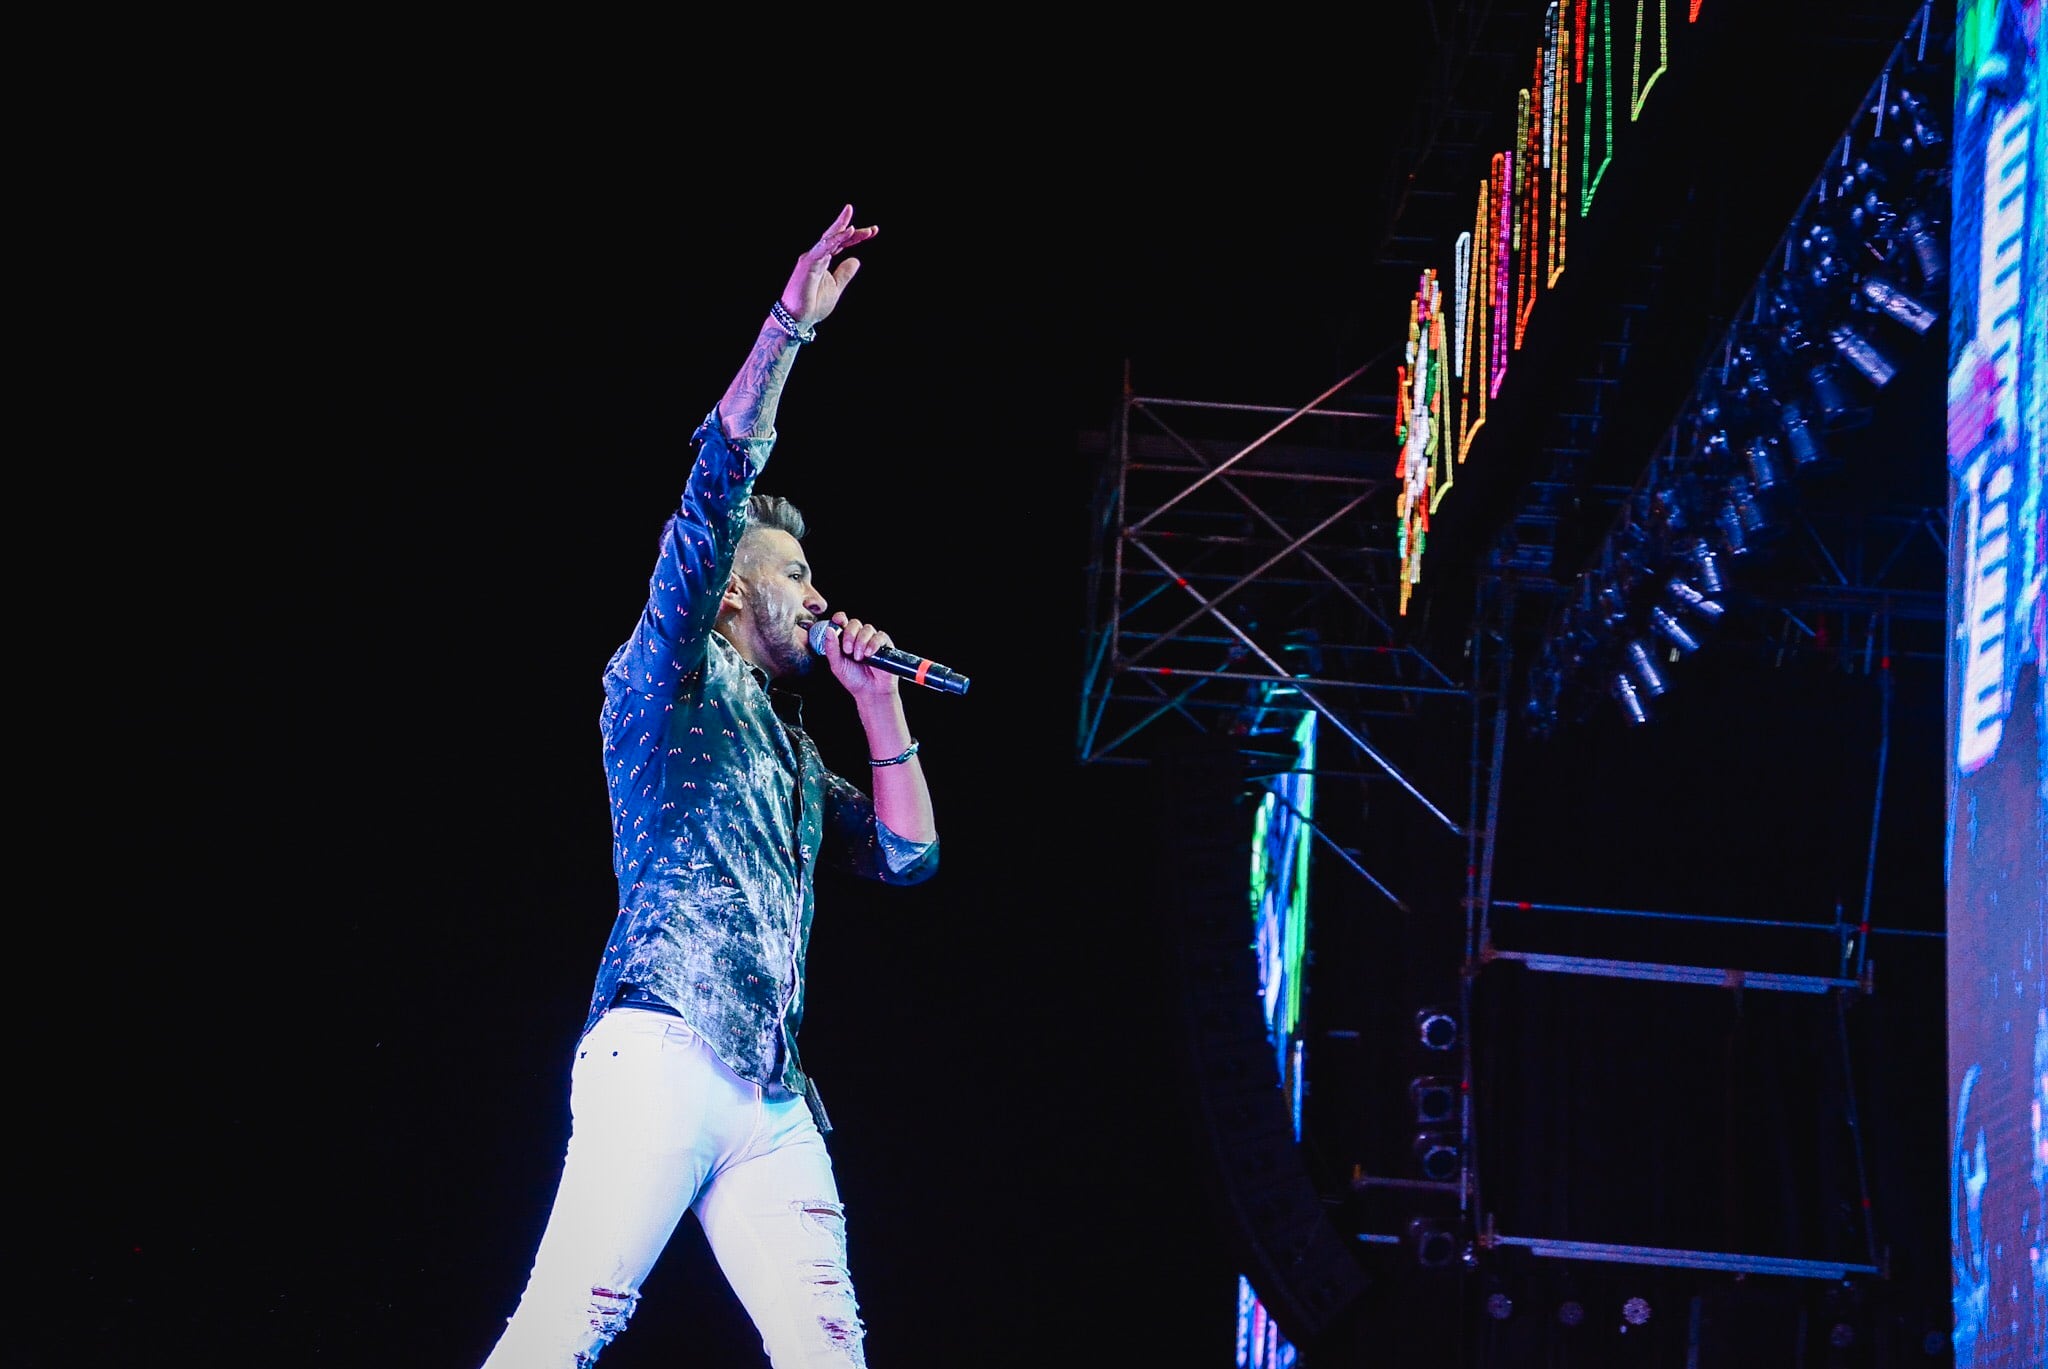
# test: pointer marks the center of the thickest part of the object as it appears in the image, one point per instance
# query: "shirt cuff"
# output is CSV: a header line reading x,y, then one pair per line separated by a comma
x,y
900,852
753,450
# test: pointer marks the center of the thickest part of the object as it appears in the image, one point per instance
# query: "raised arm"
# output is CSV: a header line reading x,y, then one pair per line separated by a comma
x,y
748,408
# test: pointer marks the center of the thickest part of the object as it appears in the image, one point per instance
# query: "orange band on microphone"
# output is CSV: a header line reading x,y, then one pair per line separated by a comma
x,y
923,667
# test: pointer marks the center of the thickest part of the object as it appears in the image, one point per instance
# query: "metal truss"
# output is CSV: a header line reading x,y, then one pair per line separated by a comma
x,y
1244,553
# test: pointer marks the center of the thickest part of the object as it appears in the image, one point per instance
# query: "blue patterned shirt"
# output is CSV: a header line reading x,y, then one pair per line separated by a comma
x,y
721,806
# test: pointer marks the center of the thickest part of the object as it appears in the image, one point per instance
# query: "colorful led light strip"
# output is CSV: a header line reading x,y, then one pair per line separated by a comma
x,y
1461,304
1418,419
1528,218
1438,393
1515,251
1560,151
1503,301
1472,361
1589,183
1639,89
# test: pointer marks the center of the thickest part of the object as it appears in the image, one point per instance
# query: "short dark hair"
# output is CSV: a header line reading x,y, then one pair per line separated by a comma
x,y
773,511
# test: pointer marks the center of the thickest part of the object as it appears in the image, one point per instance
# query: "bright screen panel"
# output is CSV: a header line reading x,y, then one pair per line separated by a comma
x,y
1997,743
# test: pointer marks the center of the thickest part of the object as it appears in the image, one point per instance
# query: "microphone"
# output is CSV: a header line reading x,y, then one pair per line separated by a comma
x,y
916,669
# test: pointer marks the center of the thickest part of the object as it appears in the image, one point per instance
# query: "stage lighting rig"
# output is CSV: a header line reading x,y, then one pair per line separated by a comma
x,y
1857,277
1682,593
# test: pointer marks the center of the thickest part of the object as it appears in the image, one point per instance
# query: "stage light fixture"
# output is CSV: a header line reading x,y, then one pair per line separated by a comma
x,y
1436,1156
1871,216
1571,1312
1799,439
1636,1311
1435,1099
1919,116
1613,604
1687,597
1625,694
1732,526
1715,451
1644,666
1761,456
1671,508
1924,244
1672,631
1879,292
1825,385
1859,351
1875,292
1748,508
1706,564
1756,388
1499,1306
1436,1028
1821,257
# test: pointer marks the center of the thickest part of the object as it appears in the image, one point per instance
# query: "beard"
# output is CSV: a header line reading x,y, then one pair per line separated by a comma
x,y
787,647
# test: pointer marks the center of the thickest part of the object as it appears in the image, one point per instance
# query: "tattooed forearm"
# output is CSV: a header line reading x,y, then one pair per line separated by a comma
x,y
749,404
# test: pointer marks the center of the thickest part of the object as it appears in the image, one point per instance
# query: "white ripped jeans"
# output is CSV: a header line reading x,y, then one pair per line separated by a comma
x,y
661,1126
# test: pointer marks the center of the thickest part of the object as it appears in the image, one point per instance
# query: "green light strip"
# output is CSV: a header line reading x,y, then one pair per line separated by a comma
x,y
1589,184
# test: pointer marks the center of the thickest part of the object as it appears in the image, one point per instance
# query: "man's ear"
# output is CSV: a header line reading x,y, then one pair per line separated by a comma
x,y
735,597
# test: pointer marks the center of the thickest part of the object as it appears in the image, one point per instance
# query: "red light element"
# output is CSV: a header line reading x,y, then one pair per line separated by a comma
x,y
1181,580
1579,41
1694,15
1524,905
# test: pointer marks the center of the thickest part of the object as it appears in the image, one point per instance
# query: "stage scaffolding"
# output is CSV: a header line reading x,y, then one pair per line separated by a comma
x,y
1244,568
1244,571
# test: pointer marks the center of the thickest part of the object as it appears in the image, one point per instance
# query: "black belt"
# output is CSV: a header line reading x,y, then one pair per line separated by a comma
x,y
633,996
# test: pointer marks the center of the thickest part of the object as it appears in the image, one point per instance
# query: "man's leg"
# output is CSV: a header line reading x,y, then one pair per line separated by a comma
x,y
774,1221
648,1103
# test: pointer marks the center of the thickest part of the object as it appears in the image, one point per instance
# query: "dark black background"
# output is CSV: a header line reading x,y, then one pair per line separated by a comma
x,y
380,404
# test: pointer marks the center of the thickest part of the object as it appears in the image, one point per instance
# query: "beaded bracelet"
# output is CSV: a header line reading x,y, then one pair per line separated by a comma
x,y
787,322
908,752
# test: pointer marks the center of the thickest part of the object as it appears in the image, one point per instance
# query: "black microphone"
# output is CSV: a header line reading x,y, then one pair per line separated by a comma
x,y
916,669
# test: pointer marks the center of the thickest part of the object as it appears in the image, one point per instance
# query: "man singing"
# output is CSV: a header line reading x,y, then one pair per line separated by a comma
x,y
687,1092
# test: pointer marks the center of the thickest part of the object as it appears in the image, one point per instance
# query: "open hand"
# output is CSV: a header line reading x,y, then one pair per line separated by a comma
x,y
816,284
